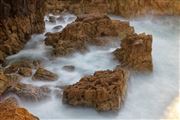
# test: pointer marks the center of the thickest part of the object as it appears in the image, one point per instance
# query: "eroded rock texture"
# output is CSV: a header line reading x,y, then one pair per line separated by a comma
x,y
9,110
135,52
4,82
87,29
18,20
105,90
126,8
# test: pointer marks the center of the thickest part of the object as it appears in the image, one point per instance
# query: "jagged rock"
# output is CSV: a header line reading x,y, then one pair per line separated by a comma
x,y
22,67
126,8
18,20
105,90
135,52
87,29
4,82
9,110
29,92
69,68
43,74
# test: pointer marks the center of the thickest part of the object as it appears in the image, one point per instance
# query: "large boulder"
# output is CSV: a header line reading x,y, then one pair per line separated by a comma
x,y
135,52
9,110
87,29
105,90
43,74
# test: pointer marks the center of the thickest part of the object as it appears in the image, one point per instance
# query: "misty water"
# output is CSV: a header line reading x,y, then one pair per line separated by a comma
x,y
149,96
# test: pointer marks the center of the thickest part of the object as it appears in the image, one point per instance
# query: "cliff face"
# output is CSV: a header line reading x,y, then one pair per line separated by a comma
x,y
18,20
126,8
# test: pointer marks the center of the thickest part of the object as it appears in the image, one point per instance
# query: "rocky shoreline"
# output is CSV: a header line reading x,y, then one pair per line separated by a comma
x,y
104,90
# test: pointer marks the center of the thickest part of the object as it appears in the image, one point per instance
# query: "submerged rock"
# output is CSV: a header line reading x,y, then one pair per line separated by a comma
x,y
105,90
69,68
87,29
9,110
43,74
135,52
29,92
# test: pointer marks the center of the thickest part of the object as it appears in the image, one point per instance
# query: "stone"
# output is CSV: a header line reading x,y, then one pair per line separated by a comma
x,y
22,67
69,68
105,90
10,110
45,75
27,16
135,52
30,93
57,28
4,82
86,30
52,19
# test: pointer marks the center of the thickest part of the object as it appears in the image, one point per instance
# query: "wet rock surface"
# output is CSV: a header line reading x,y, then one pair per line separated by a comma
x,y
105,90
69,68
9,110
87,29
18,20
4,82
30,93
45,75
135,52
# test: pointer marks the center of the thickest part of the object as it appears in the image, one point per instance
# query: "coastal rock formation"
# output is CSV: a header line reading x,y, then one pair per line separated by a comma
x,y
18,20
126,8
43,74
105,90
87,29
9,110
29,92
135,52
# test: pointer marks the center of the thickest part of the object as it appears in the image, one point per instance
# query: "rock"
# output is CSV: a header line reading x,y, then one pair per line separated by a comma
x,y
25,15
60,19
30,93
126,8
9,110
69,68
52,19
43,74
105,90
22,67
87,29
4,82
135,52
57,28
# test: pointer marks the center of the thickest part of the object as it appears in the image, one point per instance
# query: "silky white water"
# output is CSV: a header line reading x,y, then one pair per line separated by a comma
x,y
149,96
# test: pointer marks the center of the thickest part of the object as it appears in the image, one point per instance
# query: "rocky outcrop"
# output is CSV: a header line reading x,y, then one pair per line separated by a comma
x,y
105,90
126,8
18,20
87,29
9,110
135,52
43,74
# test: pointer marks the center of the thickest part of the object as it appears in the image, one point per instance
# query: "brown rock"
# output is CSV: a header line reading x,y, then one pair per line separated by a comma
x,y
105,90
26,72
25,15
87,29
69,68
43,74
135,52
29,92
9,110
4,82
